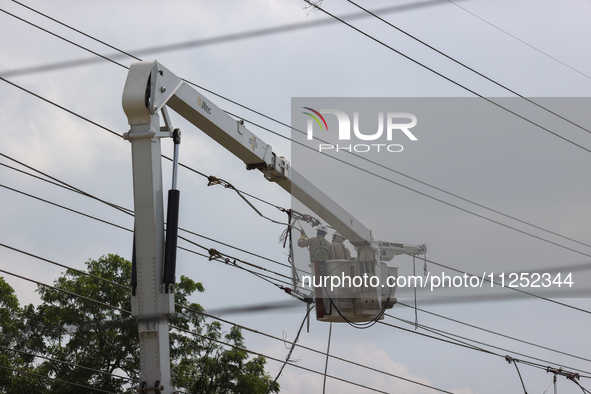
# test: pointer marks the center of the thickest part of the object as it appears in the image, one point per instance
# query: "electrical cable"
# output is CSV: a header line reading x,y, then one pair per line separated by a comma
x,y
64,291
63,38
130,230
454,342
185,307
197,311
183,238
445,202
55,379
307,348
68,363
126,210
308,309
462,344
64,266
61,107
468,68
241,250
518,39
61,183
214,253
200,42
264,277
370,160
450,80
201,312
355,324
349,164
66,208
511,288
281,361
326,362
494,332
456,270
76,30
442,332
509,360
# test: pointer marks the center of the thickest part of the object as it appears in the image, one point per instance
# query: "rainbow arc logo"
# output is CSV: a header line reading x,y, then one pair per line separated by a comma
x,y
315,118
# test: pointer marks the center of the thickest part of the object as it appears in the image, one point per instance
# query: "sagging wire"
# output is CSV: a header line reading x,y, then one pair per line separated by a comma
x,y
414,272
364,325
214,180
294,217
327,355
308,309
284,237
509,360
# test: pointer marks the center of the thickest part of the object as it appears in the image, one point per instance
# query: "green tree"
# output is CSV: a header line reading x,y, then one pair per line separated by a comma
x,y
11,328
101,338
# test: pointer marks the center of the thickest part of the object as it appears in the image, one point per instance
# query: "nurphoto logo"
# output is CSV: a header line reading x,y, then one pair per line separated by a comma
x,y
396,122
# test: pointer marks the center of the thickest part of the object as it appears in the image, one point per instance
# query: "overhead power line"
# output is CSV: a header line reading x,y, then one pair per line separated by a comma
x,y
337,159
519,39
222,260
55,379
512,288
64,291
66,208
190,332
450,80
62,184
230,257
493,332
288,363
294,343
455,342
350,164
68,363
257,33
467,67
344,162
306,316
442,332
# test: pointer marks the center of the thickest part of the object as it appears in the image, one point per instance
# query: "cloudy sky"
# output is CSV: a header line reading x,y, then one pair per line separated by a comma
x,y
262,54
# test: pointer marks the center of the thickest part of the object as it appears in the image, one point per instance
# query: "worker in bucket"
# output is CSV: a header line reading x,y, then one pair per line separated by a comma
x,y
319,247
341,252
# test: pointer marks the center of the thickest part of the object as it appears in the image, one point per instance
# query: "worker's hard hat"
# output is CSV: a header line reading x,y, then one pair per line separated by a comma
x,y
322,228
336,233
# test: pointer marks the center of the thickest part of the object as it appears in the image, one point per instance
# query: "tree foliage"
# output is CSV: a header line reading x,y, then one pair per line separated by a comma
x,y
88,328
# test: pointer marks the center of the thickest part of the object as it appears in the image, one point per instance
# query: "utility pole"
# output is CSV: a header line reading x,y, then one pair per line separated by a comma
x,y
152,299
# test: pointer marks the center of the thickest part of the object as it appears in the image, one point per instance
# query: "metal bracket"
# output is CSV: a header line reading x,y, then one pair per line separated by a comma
x,y
157,388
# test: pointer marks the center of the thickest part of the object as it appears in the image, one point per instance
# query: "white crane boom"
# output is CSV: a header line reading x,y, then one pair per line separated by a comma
x,y
165,88
149,89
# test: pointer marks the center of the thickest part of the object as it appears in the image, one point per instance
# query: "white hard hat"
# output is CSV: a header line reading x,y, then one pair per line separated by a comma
x,y
338,234
322,228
